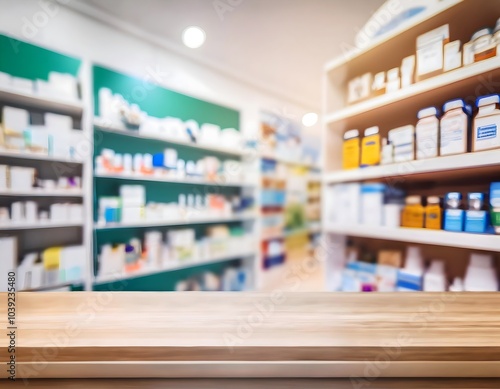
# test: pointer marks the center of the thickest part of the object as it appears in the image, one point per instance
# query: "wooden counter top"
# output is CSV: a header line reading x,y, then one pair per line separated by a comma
x,y
66,335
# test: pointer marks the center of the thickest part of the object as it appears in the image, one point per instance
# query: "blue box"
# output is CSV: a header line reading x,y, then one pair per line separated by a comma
x,y
476,221
454,220
409,282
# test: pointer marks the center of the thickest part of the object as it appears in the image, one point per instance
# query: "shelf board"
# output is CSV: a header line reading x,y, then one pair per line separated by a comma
x,y
357,53
421,235
426,167
36,157
462,77
178,266
71,108
187,221
288,161
171,180
55,286
41,193
105,127
37,226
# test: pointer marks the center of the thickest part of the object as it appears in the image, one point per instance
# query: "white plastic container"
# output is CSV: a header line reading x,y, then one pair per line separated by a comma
x,y
427,133
486,132
454,128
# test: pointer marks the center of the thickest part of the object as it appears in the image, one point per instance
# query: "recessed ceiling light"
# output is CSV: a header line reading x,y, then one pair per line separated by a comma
x,y
193,37
310,119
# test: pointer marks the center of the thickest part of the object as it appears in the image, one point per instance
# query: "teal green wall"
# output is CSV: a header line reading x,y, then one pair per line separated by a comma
x,y
18,58
160,102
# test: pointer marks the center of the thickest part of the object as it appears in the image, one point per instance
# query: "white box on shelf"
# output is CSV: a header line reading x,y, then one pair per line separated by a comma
x,y
59,123
21,178
22,85
112,260
133,195
430,51
131,214
75,213
210,134
65,84
59,213
403,141
343,205
372,203
452,55
72,263
15,119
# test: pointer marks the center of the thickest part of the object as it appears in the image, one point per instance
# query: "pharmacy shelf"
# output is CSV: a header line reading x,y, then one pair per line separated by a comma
x,y
131,177
289,161
416,94
41,193
48,288
104,126
292,233
186,221
63,106
36,157
422,236
423,19
435,166
37,226
173,267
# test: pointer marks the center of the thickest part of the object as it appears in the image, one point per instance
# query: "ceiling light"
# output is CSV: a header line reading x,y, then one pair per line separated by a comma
x,y
193,37
310,119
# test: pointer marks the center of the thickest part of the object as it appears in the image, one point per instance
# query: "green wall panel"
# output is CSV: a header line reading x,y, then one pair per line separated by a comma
x,y
22,59
161,102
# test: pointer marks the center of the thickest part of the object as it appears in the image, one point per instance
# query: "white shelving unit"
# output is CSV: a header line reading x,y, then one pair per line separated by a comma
x,y
41,231
400,108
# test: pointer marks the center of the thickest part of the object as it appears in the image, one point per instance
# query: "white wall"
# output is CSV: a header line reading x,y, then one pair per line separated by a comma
x,y
60,28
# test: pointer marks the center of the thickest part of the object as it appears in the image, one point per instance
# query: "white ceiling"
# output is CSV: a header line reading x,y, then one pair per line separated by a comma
x,y
279,45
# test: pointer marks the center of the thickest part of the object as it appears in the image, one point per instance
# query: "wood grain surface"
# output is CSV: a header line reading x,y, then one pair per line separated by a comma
x,y
298,383
64,335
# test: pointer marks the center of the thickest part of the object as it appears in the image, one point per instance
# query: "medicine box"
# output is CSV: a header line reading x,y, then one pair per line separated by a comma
x,y
430,52
476,221
452,56
21,178
403,141
372,202
454,220
409,281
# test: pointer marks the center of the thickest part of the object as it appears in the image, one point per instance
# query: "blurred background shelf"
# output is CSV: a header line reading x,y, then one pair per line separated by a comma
x,y
178,265
101,125
37,226
420,235
483,161
168,180
53,104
